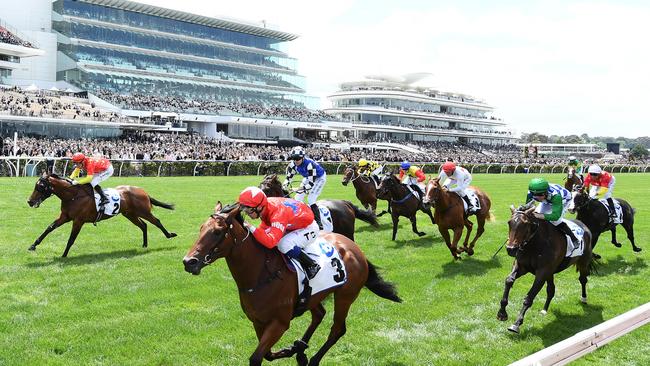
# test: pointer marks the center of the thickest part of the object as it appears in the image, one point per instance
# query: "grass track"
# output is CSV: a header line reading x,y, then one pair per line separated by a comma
x,y
112,302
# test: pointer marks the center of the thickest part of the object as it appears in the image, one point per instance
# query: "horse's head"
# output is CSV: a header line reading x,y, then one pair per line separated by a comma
x,y
432,192
272,187
580,199
42,190
348,174
217,236
571,172
522,227
388,183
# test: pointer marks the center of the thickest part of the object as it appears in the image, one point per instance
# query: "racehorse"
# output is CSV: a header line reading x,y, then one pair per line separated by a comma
x,y
343,212
596,216
450,214
402,202
539,248
268,291
78,206
572,180
365,189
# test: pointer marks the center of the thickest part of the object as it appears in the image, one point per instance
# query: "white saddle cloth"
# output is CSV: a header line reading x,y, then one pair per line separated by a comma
x,y
112,208
326,219
473,198
332,269
571,250
617,208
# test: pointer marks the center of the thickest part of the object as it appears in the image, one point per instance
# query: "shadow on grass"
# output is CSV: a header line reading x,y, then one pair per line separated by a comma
x,y
564,325
620,264
368,227
84,259
416,241
468,266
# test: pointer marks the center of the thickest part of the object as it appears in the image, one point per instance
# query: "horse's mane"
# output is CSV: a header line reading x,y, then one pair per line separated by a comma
x,y
229,208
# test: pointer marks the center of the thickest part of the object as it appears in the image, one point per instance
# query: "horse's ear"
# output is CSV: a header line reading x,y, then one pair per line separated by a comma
x,y
529,211
218,207
512,209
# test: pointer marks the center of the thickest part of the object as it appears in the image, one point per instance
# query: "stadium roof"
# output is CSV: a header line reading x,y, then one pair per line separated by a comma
x,y
237,26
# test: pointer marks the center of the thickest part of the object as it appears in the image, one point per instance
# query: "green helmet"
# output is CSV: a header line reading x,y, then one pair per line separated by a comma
x,y
538,185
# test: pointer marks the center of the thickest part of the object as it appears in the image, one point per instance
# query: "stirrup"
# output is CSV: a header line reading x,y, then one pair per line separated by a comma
x,y
312,271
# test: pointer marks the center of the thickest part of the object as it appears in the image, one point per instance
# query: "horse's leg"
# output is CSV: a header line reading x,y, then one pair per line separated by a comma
x,y
458,233
480,221
595,241
612,229
550,293
142,225
270,335
629,229
584,272
510,280
395,222
430,214
414,225
76,228
468,225
299,346
58,222
540,280
341,308
154,220
444,232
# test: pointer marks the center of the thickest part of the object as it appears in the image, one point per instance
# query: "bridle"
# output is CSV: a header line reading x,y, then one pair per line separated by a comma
x,y
530,237
211,256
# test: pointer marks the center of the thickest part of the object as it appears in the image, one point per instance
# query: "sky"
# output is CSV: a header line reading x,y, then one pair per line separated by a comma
x,y
554,67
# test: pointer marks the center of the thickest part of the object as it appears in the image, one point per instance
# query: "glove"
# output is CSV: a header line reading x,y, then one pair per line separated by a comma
x,y
250,227
538,215
74,182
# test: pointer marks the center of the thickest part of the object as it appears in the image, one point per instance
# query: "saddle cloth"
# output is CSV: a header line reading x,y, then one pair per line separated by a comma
x,y
326,219
617,208
332,269
572,251
473,198
112,208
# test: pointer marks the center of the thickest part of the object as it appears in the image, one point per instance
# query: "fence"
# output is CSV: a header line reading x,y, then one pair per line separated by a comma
x,y
30,166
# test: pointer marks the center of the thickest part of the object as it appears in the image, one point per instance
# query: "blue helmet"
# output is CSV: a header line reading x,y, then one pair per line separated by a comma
x,y
405,165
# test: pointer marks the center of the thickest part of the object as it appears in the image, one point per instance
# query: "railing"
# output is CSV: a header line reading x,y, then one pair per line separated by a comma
x,y
31,166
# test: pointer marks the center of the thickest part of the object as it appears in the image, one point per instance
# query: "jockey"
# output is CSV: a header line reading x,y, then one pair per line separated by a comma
x,y
286,223
412,177
577,165
452,174
371,169
599,184
97,171
554,201
312,183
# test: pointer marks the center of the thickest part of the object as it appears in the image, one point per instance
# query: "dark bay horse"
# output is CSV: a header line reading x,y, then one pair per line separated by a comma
x,y
402,203
365,189
572,180
540,249
343,212
78,206
596,217
450,214
268,291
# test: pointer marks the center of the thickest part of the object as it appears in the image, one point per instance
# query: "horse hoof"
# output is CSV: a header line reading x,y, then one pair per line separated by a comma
x,y
618,245
514,328
596,256
543,312
637,249
301,359
470,252
172,235
421,234
583,300
32,248
502,316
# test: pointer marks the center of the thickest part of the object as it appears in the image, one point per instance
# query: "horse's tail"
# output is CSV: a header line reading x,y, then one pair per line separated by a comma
x,y
379,287
491,217
363,215
155,202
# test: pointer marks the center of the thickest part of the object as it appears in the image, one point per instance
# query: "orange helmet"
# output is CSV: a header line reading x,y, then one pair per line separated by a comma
x,y
78,157
252,197
448,167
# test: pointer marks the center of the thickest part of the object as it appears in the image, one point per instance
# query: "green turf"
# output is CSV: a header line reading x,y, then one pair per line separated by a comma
x,y
112,302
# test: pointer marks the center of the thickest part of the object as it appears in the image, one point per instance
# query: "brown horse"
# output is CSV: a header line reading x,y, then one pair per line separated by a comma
x,y
572,180
343,213
540,249
450,214
365,188
402,203
268,291
78,206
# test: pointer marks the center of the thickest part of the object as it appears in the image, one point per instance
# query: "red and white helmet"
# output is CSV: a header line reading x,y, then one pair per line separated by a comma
x,y
252,197
448,167
595,169
78,157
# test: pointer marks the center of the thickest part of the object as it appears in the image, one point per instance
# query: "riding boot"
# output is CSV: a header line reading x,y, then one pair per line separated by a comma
x,y
308,264
470,207
420,193
611,208
102,197
565,229
316,211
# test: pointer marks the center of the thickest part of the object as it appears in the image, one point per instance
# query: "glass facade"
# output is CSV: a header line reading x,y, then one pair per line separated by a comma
x,y
57,130
131,52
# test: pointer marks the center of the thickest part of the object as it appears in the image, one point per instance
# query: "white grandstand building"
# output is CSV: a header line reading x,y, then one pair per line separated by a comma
x,y
393,108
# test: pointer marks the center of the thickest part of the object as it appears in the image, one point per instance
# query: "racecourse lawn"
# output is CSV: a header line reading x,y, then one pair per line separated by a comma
x,y
111,302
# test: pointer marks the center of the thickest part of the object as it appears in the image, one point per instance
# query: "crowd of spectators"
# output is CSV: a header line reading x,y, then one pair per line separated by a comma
x,y
7,37
170,147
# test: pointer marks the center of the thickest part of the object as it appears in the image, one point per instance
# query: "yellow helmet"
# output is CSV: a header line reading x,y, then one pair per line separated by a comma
x,y
363,162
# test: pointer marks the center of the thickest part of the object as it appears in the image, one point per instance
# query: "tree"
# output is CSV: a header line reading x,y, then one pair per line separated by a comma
x,y
639,152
